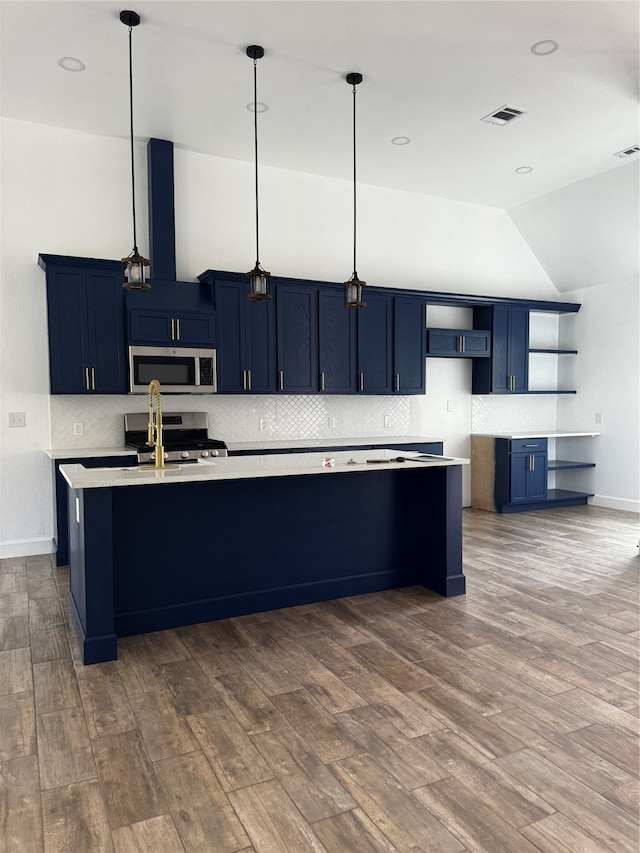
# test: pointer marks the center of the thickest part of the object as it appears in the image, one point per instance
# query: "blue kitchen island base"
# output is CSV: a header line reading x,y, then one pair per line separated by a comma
x,y
169,554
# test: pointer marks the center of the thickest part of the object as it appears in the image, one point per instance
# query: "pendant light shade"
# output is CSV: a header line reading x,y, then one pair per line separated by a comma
x,y
133,266
353,287
259,279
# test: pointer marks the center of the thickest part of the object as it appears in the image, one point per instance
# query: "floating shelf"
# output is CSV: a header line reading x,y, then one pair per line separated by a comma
x,y
555,351
564,465
542,392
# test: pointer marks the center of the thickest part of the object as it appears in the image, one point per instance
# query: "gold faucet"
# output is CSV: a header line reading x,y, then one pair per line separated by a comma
x,y
155,425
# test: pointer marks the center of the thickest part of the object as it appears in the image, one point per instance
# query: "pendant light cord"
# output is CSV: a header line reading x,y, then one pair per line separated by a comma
x,y
255,145
355,274
133,177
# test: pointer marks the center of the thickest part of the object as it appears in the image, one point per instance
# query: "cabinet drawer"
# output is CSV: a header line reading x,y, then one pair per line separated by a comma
x,y
528,445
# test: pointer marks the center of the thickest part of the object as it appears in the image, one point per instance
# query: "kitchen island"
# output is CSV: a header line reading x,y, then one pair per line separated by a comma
x,y
151,550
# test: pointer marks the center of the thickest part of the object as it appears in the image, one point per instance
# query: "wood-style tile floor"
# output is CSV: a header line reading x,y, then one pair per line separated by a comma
x,y
503,720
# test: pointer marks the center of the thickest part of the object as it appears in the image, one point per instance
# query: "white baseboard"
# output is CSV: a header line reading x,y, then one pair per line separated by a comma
x,y
615,503
26,548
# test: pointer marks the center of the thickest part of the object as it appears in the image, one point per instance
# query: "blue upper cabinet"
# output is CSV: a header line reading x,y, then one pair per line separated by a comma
x,y
375,344
297,338
410,335
86,325
458,343
172,313
507,371
337,337
245,335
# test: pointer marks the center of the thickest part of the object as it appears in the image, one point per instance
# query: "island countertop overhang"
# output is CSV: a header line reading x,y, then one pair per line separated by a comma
x,y
253,467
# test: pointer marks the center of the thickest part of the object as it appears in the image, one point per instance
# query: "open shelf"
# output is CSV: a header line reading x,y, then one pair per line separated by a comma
x,y
556,495
564,465
555,351
545,392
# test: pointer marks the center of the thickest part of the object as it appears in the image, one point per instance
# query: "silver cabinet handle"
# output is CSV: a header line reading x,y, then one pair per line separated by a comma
x,y
173,329
322,380
532,445
178,330
86,379
244,380
362,381
397,381
464,343
533,462
281,380
248,380
93,379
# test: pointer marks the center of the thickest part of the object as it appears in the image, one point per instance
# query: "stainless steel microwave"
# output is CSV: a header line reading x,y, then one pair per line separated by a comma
x,y
179,370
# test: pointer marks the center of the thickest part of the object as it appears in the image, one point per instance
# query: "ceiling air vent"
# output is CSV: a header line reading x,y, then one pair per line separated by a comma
x,y
627,152
504,115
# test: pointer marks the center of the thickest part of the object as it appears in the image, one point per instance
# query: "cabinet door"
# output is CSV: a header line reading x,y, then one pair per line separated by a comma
x,y
500,364
528,477
232,358
68,330
538,477
194,328
105,311
410,336
375,345
297,338
260,343
518,360
336,344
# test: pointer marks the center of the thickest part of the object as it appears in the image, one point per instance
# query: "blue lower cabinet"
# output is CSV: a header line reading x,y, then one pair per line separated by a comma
x,y
528,477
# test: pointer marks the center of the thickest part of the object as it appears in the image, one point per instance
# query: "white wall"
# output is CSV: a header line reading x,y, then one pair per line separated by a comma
x,y
65,192
606,333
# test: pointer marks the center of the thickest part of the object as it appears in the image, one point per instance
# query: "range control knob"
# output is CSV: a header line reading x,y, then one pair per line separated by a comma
x,y
204,453
165,455
215,453
185,454
152,456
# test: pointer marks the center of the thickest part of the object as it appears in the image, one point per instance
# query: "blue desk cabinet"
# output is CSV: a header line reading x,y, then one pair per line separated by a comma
x,y
62,499
297,338
528,470
375,344
458,343
245,338
409,336
507,371
86,325
436,447
337,339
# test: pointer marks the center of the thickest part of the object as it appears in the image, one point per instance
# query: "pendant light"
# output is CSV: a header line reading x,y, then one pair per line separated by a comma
x,y
259,290
133,265
353,287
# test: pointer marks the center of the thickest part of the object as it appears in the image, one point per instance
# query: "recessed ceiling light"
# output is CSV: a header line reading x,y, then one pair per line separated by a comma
x,y
545,47
70,63
400,140
523,170
258,107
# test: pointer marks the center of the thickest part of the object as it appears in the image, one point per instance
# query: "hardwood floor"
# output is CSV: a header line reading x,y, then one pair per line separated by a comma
x,y
503,720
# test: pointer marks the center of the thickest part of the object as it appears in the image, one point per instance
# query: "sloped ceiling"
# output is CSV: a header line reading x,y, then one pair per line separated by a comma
x,y
586,233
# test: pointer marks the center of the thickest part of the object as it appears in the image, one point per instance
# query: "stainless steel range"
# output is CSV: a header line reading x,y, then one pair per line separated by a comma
x,y
186,437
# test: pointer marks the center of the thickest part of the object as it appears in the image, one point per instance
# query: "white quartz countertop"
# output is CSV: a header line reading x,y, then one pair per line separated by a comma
x,y
91,452
535,434
251,467
382,441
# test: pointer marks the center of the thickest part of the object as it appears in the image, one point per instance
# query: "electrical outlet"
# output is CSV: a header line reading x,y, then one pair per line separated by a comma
x,y
262,423
527,418
599,418
449,405
16,419
332,423
387,420
78,429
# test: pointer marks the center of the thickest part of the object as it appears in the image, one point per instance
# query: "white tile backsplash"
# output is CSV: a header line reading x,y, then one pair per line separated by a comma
x,y
505,413
233,418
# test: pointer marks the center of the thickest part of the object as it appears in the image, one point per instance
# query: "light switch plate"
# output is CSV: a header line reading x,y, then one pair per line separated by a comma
x,y
16,419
